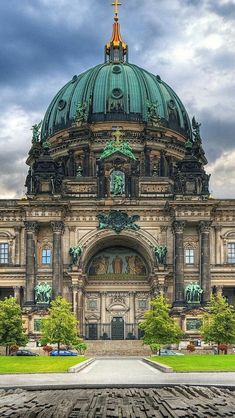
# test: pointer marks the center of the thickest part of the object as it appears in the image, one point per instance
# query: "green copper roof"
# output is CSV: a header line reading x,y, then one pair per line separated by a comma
x,y
116,92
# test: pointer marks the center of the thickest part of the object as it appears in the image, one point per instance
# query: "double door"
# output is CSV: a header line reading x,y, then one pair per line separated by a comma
x,y
117,328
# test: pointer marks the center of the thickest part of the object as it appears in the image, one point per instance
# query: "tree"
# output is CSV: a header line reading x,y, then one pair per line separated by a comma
x,y
11,324
158,326
60,327
219,322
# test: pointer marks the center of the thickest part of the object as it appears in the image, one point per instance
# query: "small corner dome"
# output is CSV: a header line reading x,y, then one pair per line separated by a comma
x,y
116,92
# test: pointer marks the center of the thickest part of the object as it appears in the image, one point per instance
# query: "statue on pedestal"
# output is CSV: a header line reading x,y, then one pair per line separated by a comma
x,y
42,293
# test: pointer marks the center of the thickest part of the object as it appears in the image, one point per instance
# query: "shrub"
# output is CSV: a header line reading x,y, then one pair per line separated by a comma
x,y
81,347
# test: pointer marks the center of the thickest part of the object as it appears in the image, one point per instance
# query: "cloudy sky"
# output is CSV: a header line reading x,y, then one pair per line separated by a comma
x,y
189,43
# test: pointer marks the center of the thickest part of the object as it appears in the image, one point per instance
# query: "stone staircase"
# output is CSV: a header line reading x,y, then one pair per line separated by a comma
x,y
114,348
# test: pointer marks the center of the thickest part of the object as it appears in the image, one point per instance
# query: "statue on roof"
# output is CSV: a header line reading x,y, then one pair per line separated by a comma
x,y
196,130
36,132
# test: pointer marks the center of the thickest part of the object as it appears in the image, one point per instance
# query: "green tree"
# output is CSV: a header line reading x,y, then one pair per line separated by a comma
x,y
60,327
158,326
219,322
11,324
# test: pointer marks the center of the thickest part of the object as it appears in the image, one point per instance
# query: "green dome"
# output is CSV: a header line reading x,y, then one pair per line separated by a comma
x,y
116,92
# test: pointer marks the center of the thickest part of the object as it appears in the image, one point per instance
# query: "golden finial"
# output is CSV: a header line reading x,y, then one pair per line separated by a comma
x,y
116,4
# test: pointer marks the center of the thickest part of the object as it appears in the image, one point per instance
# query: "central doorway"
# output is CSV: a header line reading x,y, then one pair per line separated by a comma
x,y
117,328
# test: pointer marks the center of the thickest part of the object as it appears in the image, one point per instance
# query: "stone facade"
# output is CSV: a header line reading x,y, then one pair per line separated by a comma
x,y
198,232
111,183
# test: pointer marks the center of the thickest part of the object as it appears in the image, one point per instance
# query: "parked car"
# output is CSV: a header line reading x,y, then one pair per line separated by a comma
x,y
167,352
62,353
24,353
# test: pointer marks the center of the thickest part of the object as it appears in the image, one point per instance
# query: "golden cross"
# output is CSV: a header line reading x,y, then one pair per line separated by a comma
x,y
116,4
117,135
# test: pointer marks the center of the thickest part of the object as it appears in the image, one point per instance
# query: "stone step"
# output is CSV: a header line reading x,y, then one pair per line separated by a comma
x,y
127,348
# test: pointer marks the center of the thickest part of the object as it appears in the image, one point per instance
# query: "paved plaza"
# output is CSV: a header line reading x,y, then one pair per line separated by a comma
x,y
118,388
116,372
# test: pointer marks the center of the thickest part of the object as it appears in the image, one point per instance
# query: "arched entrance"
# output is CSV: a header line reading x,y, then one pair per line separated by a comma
x,y
117,290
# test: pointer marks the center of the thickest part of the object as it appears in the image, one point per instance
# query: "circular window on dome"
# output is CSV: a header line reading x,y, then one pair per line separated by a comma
x,y
61,104
117,93
171,104
116,69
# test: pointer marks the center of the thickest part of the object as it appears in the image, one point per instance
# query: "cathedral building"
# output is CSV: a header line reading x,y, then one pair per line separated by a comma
x,y
117,208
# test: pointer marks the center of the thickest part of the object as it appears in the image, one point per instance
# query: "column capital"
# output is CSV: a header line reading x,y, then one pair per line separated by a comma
x,y
57,226
178,226
31,226
204,226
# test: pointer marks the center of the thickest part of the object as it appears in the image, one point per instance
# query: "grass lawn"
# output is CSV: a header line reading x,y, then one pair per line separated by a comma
x,y
38,364
207,362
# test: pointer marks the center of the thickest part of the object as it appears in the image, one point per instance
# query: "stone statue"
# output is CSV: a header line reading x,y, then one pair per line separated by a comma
x,y
29,181
75,253
36,132
42,293
160,253
196,130
193,293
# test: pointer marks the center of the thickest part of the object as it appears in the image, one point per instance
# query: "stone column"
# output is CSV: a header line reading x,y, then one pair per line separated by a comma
x,y
30,228
204,229
217,244
80,303
178,228
132,307
75,301
17,245
103,307
57,262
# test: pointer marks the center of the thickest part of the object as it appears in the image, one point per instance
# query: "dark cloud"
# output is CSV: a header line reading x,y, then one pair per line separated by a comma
x,y
45,42
226,10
